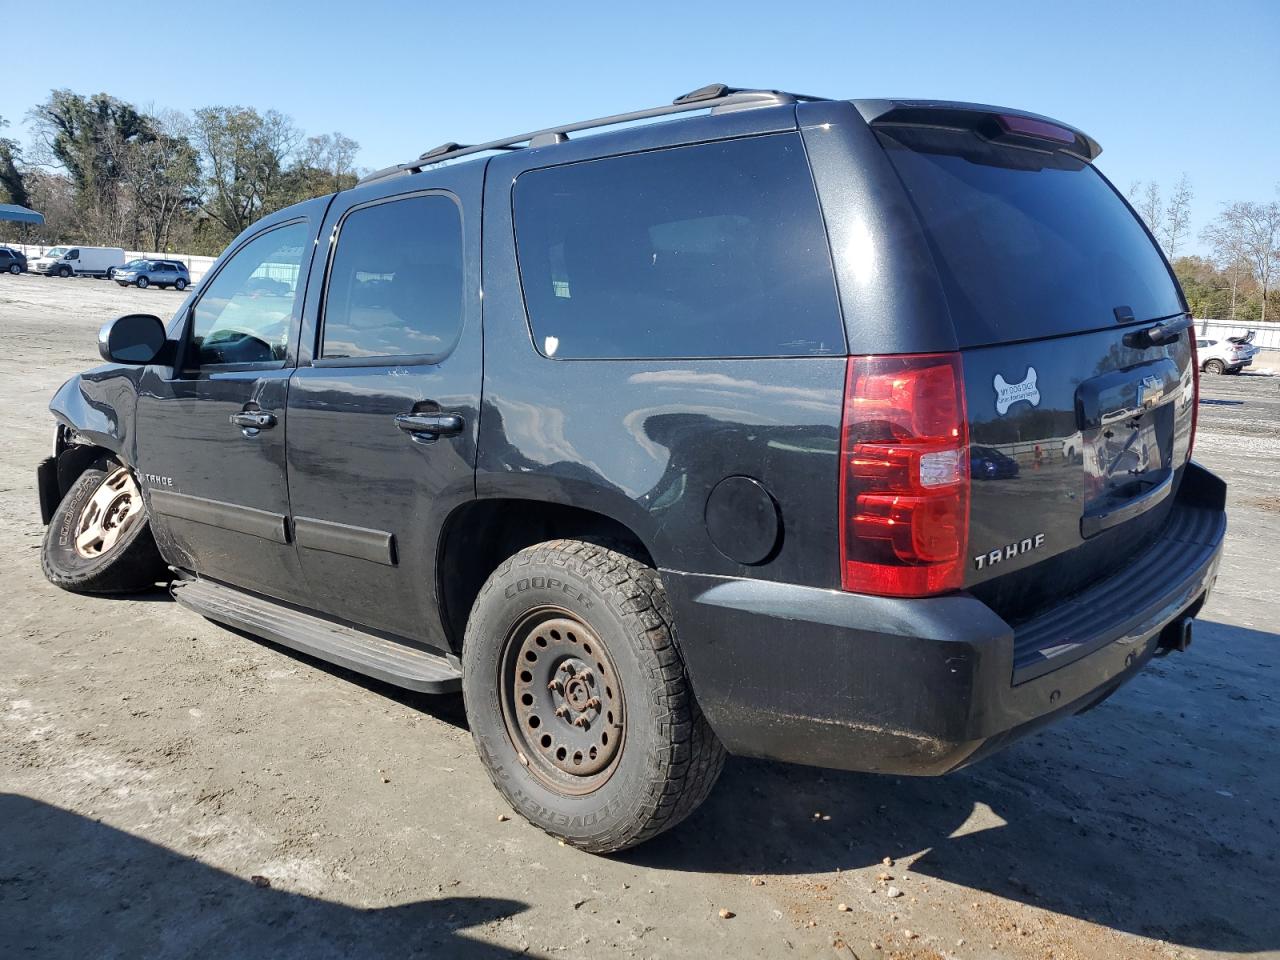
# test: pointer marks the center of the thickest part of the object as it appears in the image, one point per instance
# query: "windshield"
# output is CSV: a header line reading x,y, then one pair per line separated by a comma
x,y
136,264
1028,244
55,252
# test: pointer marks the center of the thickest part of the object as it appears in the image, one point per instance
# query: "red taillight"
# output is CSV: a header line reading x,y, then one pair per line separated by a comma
x,y
904,475
1195,390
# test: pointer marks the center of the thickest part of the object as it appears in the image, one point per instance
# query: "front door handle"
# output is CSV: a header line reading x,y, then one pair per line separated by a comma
x,y
253,419
425,427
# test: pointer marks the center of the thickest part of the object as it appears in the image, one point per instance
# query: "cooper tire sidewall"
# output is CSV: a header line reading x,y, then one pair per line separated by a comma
x,y
616,802
60,536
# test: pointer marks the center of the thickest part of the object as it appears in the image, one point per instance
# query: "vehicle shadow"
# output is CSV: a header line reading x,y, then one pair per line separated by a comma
x,y
73,887
1118,816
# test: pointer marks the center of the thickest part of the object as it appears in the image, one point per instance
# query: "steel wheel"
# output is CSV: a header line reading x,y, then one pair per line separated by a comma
x,y
562,701
114,509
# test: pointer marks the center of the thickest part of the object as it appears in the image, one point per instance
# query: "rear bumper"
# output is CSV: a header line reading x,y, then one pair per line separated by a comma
x,y
855,682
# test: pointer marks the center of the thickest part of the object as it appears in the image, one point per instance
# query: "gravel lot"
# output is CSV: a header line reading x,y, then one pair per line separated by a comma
x,y
169,788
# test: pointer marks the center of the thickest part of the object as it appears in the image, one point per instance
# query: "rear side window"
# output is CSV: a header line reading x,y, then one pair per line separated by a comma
x,y
395,286
716,250
1028,244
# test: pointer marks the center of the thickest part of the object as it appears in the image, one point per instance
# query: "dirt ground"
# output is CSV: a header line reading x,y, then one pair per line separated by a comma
x,y
169,788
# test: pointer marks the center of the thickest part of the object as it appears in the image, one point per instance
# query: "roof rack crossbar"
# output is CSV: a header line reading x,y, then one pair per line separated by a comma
x,y
715,96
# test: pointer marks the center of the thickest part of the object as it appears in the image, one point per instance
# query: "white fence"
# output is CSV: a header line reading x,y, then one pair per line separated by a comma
x,y
197,265
1266,335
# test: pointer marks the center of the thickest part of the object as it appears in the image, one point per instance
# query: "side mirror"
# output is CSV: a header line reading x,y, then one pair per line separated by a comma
x,y
135,338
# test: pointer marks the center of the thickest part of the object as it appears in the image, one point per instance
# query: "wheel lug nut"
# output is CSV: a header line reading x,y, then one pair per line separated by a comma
x,y
562,711
567,667
587,675
592,704
581,721
557,685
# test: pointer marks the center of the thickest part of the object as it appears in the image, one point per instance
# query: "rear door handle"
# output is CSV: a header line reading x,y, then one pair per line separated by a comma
x,y
253,419
425,427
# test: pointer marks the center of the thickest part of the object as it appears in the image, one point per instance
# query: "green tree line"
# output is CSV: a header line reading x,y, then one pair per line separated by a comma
x,y
103,171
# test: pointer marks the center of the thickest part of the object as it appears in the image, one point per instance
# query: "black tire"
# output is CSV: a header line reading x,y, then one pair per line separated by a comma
x,y
64,272
179,285
111,273
1216,367
15,269
122,283
131,564
142,283
665,757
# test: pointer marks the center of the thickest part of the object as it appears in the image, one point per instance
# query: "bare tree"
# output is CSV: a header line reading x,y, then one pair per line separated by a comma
x,y
1177,216
1146,200
245,155
161,175
1260,228
1225,237
332,153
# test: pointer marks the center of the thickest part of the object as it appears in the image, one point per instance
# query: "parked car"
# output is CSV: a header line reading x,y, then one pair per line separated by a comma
x,y
78,261
12,261
988,463
700,483
160,273
1229,355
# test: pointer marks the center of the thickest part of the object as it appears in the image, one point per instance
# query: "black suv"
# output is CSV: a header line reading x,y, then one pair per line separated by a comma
x,y
659,444
12,261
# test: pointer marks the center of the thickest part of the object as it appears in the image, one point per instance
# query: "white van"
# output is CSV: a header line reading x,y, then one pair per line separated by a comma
x,y
78,261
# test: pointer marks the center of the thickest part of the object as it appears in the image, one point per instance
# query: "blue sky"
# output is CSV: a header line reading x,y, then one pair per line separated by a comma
x,y
1166,86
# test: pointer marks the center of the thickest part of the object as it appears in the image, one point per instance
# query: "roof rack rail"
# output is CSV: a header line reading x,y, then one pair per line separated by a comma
x,y
716,96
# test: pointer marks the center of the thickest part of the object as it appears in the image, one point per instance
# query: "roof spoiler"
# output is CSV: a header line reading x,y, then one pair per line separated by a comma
x,y
999,124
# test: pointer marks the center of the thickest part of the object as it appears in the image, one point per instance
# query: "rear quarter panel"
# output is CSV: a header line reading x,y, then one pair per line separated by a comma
x,y
645,441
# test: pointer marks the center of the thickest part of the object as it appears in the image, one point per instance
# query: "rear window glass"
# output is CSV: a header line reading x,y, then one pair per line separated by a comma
x,y
716,250
1028,244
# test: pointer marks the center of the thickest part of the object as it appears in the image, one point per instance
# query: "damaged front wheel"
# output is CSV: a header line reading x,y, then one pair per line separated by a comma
x,y
98,540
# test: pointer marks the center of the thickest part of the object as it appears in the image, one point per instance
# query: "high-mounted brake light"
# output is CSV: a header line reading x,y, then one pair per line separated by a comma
x,y
1028,127
904,475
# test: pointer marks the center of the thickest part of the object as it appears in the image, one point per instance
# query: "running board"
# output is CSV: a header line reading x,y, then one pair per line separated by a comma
x,y
395,663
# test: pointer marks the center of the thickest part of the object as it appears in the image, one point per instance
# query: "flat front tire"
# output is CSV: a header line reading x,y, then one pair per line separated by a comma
x,y
577,697
98,540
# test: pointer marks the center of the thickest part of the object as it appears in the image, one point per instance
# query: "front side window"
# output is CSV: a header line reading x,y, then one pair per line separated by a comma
x,y
715,250
395,284
247,310
72,255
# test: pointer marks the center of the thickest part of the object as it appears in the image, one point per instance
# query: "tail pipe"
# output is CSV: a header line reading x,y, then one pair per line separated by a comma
x,y
1176,635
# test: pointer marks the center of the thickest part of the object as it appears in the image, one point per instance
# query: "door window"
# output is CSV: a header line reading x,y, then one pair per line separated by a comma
x,y
395,285
247,310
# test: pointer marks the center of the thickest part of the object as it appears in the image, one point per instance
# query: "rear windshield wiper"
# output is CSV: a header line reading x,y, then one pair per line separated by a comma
x,y
1158,334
